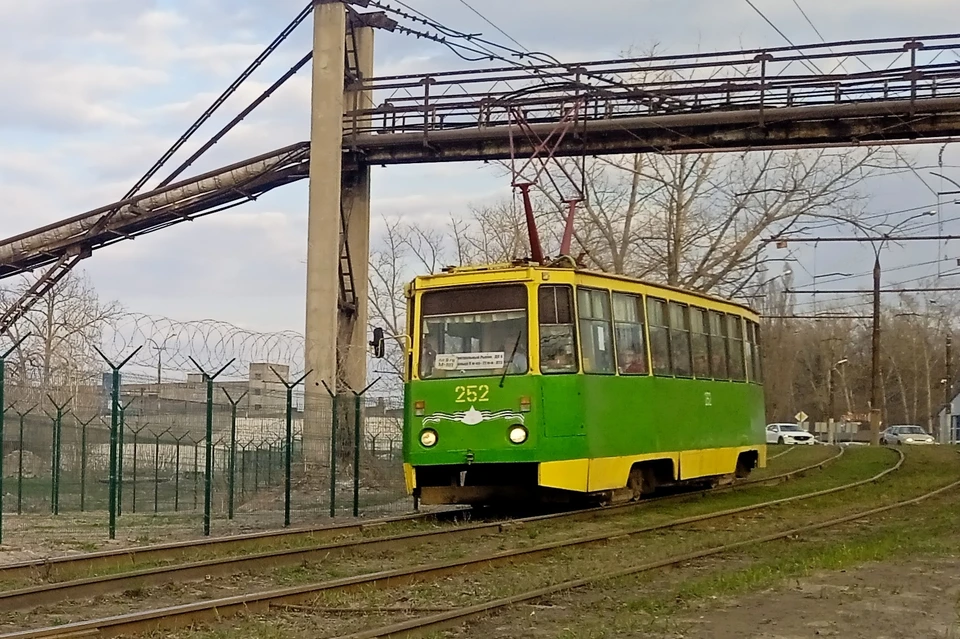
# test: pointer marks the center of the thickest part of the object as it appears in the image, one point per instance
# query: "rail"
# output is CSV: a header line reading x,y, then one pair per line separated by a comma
x,y
191,613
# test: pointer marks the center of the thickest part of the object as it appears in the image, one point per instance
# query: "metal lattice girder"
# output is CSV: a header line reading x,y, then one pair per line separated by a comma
x,y
129,218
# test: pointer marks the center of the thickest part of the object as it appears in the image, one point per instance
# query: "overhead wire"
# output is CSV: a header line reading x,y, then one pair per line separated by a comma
x,y
488,21
783,35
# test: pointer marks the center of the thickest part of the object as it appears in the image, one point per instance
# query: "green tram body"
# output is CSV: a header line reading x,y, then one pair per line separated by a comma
x,y
595,424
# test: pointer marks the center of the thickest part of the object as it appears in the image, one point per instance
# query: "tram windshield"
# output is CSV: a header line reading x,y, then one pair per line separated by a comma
x,y
474,332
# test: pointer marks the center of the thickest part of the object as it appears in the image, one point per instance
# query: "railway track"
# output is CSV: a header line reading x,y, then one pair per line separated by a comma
x,y
48,593
452,618
177,616
778,455
51,567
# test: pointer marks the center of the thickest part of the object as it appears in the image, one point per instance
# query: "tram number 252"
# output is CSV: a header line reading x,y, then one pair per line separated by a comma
x,y
472,393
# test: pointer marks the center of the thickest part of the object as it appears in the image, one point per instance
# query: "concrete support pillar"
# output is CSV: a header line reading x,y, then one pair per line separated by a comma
x,y
326,139
353,337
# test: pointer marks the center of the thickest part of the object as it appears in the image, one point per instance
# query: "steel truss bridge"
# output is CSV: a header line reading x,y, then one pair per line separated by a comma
x,y
866,92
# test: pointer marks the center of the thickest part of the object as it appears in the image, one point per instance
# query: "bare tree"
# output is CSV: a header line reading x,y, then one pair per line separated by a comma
x,y
63,328
403,251
698,220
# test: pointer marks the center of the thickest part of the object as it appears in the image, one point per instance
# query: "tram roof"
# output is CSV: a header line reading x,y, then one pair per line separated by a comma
x,y
528,272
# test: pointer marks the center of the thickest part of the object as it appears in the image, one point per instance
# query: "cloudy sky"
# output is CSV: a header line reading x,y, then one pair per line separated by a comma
x,y
95,90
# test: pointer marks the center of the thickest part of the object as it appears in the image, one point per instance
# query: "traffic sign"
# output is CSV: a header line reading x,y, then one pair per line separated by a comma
x,y
801,417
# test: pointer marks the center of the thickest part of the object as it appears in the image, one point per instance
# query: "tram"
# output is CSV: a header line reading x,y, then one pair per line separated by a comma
x,y
541,382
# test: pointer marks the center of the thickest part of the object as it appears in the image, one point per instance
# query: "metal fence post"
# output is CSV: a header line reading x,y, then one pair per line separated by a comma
x,y
2,452
358,401
56,452
83,461
3,416
20,460
243,469
121,428
233,448
333,458
196,472
208,483
256,469
133,488
176,475
357,422
269,463
333,449
114,410
288,453
156,469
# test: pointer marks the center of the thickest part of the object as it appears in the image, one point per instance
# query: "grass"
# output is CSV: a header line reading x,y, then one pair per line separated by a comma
x,y
928,530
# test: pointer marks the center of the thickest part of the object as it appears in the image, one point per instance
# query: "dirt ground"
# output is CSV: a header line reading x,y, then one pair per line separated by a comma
x,y
915,599
889,600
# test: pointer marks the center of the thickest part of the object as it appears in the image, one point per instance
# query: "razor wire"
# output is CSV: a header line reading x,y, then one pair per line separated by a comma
x,y
210,342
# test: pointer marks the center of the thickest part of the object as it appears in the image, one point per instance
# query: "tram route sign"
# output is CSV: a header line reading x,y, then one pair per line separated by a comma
x,y
801,417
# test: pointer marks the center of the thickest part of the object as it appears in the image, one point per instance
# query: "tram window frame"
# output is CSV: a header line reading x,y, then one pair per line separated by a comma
x,y
719,357
588,297
681,350
700,342
570,313
409,347
630,329
658,337
736,346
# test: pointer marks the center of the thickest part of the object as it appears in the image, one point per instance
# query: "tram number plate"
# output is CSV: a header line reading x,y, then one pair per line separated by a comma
x,y
472,393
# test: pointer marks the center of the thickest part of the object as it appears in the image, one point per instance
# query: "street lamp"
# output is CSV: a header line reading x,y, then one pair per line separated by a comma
x,y
159,348
772,279
830,395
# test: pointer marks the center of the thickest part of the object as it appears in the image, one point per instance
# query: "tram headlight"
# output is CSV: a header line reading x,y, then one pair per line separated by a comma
x,y
517,434
428,437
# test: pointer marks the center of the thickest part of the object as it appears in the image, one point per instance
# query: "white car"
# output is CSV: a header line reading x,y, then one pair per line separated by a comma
x,y
788,434
905,435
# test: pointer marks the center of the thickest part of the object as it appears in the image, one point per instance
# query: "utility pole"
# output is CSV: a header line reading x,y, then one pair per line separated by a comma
x,y
948,392
831,410
875,356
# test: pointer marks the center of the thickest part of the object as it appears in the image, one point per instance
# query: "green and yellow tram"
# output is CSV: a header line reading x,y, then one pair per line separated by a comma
x,y
533,382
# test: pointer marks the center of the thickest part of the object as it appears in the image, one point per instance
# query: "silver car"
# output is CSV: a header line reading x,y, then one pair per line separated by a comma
x,y
905,435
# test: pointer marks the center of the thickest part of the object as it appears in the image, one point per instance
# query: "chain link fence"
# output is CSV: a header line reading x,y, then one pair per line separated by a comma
x,y
263,471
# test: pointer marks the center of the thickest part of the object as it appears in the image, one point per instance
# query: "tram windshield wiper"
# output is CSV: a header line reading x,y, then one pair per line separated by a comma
x,y
506,364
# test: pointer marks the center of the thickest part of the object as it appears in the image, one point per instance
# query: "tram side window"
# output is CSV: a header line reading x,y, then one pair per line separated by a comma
x,y
718,346
628,324
758,354
596,333
748,346
659,336
753,353
735,338
558,348
680,340
699,343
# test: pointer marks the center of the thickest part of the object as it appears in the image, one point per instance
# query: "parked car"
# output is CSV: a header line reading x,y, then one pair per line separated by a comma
x,y
908,434
788,434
